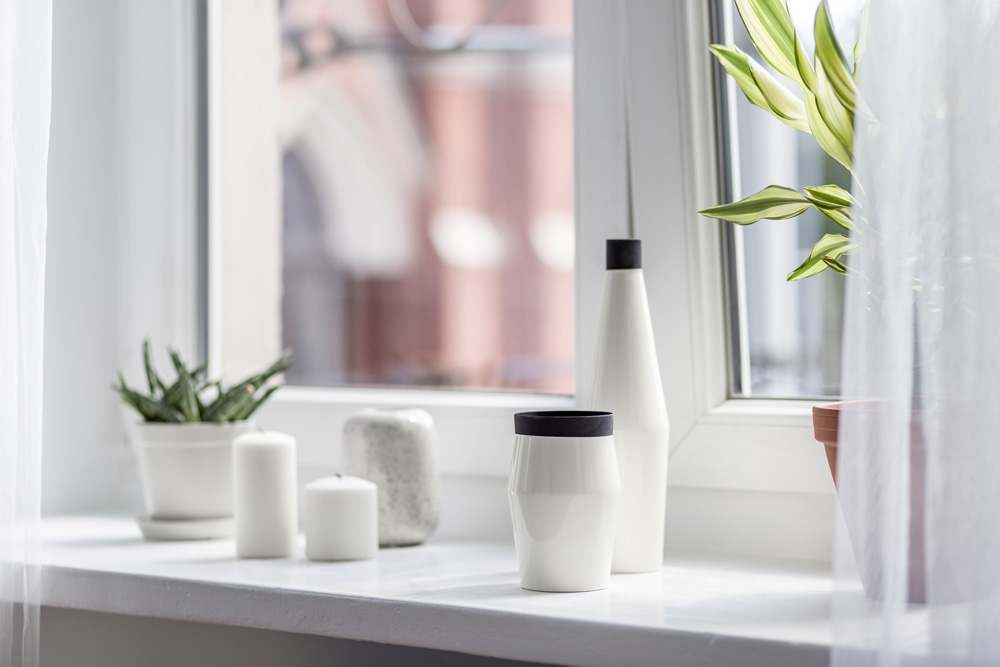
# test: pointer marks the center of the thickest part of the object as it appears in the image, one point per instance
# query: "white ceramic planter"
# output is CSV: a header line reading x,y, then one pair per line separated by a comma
x,y
564,491
187,469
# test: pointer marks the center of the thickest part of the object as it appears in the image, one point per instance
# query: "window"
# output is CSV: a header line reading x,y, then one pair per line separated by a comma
x,y
735,464
786,337
428,193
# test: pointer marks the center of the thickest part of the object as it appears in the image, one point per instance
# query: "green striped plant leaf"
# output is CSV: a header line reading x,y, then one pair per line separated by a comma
x,y
836,265
834,202
830,195
831,246
803,66
825,137
760,88
835,114
770,27
831,57
773,202
840,215
861,44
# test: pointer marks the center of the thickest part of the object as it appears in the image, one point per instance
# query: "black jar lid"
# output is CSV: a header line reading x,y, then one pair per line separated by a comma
x,y
564,423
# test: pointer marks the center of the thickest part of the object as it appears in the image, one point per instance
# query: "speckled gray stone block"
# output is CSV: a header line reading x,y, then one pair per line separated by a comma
x,y
395,449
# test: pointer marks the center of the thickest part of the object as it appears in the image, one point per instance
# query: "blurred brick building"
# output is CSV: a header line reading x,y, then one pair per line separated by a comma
x,y
428,215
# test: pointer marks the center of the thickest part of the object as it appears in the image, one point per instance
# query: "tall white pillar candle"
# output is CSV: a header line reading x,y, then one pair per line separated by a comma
x,y
341,519
266,502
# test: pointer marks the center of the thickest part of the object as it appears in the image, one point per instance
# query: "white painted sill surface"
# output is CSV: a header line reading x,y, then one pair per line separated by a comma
x,y
697,610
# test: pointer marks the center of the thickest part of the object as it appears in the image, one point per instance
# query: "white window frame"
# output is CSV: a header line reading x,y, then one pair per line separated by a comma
x,y
734,462
747,472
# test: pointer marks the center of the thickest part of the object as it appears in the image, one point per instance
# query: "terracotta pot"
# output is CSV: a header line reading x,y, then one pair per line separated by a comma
x,y
826,429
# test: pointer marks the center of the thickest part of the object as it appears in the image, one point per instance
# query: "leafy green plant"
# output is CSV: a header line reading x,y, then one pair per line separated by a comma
x,y
192,398
828,106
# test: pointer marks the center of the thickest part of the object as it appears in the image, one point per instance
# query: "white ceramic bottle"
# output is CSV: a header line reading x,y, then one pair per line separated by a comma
x,y
627,383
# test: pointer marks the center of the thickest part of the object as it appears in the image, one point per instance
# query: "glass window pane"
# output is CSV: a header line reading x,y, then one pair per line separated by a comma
x,y
791,331
428,211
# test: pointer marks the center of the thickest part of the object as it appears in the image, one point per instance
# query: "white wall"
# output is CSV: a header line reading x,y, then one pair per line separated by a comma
x,y
82,463
74,638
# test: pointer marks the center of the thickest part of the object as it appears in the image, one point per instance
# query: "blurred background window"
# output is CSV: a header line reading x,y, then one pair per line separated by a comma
x,y
786,336
428,193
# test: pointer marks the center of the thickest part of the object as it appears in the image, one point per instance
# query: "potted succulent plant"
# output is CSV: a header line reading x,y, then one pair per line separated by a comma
x,y
184,441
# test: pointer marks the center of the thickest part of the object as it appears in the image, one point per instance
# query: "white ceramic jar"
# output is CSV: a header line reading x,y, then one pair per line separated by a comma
x,y
564,491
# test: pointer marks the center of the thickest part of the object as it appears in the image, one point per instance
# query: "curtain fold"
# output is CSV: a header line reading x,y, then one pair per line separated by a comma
x,y
25,102
917,562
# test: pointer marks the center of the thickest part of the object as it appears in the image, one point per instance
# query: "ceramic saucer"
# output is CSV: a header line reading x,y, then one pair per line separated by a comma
x,y
166,530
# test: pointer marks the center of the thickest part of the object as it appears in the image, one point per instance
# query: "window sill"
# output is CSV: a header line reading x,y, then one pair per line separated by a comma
x,y
455,596
424,398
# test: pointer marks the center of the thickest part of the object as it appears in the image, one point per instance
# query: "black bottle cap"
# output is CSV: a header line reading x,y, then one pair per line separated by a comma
x,y
624,254
564,423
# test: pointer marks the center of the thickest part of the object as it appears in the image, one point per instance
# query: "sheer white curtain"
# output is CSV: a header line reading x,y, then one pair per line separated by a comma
x,y
25,92
919,455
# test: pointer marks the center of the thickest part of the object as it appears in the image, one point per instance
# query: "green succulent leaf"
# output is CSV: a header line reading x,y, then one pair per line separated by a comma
x,y
155,384
771,30
773,202
188,400
221,402
252,406
831,246
283,363
760,88
227,401
174,394
243,404
182,401
150,409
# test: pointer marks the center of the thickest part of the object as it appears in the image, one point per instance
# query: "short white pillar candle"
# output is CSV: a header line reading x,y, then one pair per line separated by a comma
x,y
341,519
266,497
